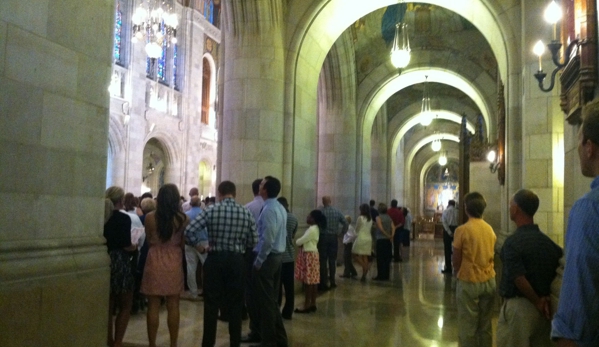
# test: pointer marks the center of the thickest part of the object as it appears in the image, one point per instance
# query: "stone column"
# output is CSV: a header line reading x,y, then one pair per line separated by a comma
x,y
337,128
252,125
379,190
55,66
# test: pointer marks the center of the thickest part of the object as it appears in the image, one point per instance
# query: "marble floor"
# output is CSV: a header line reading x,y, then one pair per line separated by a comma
x,y
416,308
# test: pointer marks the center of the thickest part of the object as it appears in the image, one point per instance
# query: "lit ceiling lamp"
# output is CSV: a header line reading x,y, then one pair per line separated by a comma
x,y
552,15
443,159
400,53
426,115
155,24
436,145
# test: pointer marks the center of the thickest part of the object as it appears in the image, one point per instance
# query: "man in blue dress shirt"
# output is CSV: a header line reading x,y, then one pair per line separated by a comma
x,y
266,273
576,322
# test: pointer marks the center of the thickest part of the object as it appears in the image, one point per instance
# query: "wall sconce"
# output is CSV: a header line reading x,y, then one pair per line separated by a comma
x,y
493,159
553,14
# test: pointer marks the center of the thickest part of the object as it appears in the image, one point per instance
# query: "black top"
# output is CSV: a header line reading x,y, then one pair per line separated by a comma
x,y
533,254
373,214
117,231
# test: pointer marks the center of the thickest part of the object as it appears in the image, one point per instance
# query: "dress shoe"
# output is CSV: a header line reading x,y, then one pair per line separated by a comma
x,y
446,271
250,339
303,310
286,316
312,309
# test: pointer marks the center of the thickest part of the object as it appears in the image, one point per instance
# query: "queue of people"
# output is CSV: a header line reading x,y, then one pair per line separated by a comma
x,y
250,260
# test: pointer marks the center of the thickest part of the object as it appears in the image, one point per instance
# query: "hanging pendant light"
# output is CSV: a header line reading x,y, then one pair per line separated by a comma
x,y
443,159
400,53
436,145
426,115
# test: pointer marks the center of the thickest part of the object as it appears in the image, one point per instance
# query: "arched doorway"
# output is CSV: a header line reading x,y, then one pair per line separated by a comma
x,y
205,179
154,167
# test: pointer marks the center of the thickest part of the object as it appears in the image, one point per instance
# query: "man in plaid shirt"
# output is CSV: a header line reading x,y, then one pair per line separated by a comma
x,y
230,229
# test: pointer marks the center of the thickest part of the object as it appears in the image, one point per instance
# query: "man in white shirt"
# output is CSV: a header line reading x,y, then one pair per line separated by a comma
x,y
450,223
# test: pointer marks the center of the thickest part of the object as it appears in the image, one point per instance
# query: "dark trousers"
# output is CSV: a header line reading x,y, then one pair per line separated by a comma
x,y
265,283
327,253
250,301
447,242
397,243
349,270
223,288
287,283
383,258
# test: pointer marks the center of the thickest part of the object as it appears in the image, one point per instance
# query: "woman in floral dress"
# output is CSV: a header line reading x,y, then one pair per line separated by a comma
x,y
307,267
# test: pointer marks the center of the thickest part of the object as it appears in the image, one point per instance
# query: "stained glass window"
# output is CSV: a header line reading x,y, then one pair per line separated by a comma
x,y
162,59
150,67
175,81
209,11
118,30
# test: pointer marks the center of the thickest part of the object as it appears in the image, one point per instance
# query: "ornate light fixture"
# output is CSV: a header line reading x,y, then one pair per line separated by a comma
x,y
426,115
436,145
400,53
443,159
156,24
553,14
493,159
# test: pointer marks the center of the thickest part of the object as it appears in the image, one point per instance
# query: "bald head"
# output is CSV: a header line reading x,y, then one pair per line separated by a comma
x,y
194,201
326,200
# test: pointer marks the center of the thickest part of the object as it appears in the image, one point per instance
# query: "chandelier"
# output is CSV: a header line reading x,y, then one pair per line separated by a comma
x,y
400,53
153,21
426,115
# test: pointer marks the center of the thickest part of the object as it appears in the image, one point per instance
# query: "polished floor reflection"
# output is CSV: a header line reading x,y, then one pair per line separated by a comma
x,y
415,308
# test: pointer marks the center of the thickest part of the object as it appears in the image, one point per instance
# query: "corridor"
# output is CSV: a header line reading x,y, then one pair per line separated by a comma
x,y
416,308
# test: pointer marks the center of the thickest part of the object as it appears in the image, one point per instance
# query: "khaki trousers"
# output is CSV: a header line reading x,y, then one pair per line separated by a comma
x,y
520,324
475,309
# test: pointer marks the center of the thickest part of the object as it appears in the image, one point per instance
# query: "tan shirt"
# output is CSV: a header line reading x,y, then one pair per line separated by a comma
x,y
476,239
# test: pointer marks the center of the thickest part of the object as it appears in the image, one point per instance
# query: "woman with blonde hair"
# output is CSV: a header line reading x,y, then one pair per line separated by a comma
x,y
163,272
117,231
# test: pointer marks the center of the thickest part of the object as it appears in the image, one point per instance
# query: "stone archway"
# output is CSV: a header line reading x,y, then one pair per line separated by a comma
x,y
155,164
205,179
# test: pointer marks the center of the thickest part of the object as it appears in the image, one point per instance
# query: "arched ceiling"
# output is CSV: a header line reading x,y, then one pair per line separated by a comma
x,y
462,76
463,54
